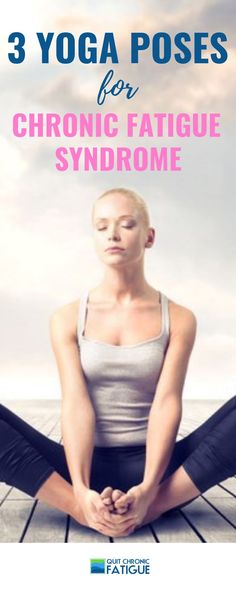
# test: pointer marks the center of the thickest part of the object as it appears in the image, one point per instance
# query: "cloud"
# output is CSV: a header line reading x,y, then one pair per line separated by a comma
x,y
13,165
211,372
39,258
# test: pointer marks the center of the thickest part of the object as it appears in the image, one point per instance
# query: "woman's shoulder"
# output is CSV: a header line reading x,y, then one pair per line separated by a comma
x,y
182,319
63,319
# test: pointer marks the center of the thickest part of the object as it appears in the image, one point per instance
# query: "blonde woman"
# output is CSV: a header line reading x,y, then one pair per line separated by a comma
x,y
122,353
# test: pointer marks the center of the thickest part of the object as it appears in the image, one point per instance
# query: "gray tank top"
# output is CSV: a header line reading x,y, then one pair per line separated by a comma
x,y
121,381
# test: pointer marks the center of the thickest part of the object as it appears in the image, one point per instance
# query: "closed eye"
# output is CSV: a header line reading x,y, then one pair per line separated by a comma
x,y
125,226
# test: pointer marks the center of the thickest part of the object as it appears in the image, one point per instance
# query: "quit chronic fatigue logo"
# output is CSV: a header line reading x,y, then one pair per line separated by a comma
x,y
119,566
97,566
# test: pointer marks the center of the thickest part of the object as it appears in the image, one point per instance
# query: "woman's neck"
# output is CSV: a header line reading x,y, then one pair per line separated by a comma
x,y
123,284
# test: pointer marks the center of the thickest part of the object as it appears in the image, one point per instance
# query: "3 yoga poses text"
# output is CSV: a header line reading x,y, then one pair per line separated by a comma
x,y
122,353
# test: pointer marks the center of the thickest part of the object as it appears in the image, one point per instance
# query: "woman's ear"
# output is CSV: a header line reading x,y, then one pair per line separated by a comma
x,y
150,238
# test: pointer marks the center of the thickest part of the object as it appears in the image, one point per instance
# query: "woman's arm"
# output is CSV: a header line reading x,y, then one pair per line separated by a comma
x,y
166,411
77,417
78,424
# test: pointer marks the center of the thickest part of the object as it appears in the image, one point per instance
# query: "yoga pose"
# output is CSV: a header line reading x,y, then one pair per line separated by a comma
x,y
122,353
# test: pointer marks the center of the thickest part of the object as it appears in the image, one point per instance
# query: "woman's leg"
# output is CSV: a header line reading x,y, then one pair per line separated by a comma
x,y
57,492
202,459
33,463
27,457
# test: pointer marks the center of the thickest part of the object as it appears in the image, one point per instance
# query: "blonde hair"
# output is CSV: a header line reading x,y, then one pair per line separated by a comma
x,y
134,197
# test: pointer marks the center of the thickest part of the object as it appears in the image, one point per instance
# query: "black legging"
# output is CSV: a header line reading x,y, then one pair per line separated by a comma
x,y
28,458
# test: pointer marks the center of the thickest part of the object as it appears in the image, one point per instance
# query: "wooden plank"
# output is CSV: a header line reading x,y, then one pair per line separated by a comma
x,y
13,517
4,489
142,535
212,527
55,433
230,484
173,528
222,500
199,410
16,494
195,412
47,525
56,438
82,534
226,507
48,426
217,492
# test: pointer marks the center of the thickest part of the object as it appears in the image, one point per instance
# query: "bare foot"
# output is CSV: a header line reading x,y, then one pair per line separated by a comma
x,y
152,514
116,495
109,497
106,496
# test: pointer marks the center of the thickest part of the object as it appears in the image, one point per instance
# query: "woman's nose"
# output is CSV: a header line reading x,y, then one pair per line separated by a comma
x,y
113,232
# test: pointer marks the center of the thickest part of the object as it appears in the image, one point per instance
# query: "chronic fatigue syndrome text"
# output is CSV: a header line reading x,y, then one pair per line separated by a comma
x,y
117,157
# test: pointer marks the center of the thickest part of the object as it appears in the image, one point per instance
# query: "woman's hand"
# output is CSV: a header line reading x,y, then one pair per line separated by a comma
x,y
93,513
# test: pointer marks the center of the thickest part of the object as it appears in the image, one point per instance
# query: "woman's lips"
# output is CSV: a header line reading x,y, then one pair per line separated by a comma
x,y
114,249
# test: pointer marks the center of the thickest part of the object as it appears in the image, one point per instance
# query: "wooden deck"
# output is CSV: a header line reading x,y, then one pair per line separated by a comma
x,y
211,518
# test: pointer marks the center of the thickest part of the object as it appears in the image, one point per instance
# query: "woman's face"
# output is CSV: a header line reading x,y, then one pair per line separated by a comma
x,y
118,223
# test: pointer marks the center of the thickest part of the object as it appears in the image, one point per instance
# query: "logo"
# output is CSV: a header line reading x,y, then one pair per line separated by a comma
x,y
119,566
97,566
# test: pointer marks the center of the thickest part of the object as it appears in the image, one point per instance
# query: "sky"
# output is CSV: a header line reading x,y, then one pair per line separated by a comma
x,y
46,242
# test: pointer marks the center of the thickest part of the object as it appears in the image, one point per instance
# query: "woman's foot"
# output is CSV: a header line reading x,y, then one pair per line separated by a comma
x,y
174,492
106,496
153,513
110,497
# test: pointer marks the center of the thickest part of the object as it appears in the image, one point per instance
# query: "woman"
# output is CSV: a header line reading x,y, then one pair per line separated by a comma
x,y
122,353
